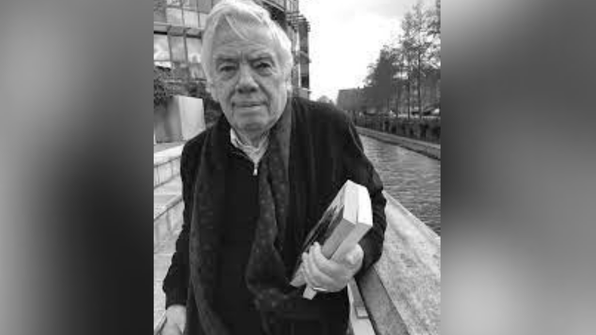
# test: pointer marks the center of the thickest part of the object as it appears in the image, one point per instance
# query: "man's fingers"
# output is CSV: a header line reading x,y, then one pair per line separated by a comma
x,y
328,267
316,276
170,328
353,258
306,271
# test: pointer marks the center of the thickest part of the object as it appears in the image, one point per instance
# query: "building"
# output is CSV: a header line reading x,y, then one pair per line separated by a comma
x,y
303,87
351,100
177,37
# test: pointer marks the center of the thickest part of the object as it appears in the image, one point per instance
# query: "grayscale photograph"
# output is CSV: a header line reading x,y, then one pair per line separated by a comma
x,y
297,167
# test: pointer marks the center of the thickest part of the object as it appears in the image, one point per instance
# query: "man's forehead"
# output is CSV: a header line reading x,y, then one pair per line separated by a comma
x,y
229,44
230,52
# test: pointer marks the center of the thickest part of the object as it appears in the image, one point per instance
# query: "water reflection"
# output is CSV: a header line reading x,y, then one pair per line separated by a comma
x,y
411,178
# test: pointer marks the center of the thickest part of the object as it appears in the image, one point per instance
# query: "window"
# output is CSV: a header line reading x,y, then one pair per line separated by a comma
x,y
159,14
196,71
161,48
178,48
191,19
203,19
191,4
174,16
193,46
205,6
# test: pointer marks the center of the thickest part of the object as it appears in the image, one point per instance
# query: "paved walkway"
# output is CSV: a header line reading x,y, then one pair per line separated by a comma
x,y
162,255
163,195
161,262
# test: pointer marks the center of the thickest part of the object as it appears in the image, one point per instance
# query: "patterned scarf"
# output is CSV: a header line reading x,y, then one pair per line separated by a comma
x,y
265,274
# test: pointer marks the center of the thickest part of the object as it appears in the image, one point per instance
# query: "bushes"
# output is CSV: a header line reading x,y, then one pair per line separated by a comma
x,y
426,129
166,83
160,92
164,86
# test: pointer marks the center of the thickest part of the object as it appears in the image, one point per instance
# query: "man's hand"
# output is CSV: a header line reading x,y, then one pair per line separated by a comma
x,y
175,320
323,274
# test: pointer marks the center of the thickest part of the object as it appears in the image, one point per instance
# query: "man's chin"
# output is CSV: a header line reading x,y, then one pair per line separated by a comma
x,y
252,126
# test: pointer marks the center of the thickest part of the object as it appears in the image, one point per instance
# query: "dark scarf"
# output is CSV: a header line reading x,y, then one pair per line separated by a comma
x,y
265,273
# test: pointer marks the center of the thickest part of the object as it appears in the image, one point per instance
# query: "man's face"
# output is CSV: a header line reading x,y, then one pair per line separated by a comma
x,y
247,80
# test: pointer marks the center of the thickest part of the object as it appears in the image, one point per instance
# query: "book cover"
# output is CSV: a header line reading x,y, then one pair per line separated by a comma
x,y
342,225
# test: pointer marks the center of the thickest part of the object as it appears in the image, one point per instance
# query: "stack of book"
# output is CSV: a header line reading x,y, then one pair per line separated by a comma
x,y
342,225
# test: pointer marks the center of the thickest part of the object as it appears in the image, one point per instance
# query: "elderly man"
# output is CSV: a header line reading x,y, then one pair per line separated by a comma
x,y
253,186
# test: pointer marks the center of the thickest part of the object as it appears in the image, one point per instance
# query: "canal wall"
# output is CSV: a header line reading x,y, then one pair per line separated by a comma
x,y
402,291
428,149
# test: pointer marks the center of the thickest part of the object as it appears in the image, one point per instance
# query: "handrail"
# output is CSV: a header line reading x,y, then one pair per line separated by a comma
x,y
402,291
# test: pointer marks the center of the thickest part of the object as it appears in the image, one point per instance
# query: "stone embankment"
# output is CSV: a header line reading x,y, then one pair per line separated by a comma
x,y
431,150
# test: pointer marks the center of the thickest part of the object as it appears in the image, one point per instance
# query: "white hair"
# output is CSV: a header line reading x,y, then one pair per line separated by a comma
x,y
244,15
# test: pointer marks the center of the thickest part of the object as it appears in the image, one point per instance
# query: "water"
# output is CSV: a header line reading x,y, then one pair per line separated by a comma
x,y
411,178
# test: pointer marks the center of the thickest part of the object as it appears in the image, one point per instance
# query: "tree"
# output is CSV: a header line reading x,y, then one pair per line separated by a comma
x,y
409,73
421,46
325,99
434,51
380,82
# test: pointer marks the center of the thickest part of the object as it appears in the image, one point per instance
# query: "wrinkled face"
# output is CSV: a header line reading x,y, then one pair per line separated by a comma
x,y
247,80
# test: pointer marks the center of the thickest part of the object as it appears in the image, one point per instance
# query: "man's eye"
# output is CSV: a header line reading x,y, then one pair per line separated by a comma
x,y
263,66
227,68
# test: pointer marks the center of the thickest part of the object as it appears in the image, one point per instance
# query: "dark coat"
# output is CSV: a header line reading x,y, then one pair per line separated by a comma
x,y
325,151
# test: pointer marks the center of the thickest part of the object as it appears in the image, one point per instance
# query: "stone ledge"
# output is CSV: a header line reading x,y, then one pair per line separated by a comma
x,y
431,150
167,222
167,210
402,291
166,165
165,171
168,154
162,258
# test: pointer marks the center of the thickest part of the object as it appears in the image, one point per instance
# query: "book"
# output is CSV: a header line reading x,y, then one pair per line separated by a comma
x,y
345,221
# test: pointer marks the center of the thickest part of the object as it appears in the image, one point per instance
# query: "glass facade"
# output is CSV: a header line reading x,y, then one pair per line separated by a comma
x,y
202,20
182,53
191,19
178,49
183,13
177,29
205,6
159,14
193,46
191,4
174,16
161,48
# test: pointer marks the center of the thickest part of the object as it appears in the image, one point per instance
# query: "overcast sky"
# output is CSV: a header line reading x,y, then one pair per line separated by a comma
x,y
345,37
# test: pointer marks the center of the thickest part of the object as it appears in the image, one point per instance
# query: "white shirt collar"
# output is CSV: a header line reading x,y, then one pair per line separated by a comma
x,y
254,153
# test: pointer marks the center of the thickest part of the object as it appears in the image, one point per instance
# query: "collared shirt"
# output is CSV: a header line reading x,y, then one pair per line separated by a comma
x,y
254,153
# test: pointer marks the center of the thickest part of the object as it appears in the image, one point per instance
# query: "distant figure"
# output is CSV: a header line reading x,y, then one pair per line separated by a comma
x,y
254,184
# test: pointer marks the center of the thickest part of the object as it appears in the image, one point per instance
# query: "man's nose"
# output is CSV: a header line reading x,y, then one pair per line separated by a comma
x,y
246,82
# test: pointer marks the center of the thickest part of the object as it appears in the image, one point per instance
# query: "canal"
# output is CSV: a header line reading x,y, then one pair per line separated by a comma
x,y
411,178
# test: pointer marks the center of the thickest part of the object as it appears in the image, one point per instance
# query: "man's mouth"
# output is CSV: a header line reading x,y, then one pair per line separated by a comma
x,y
248,104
